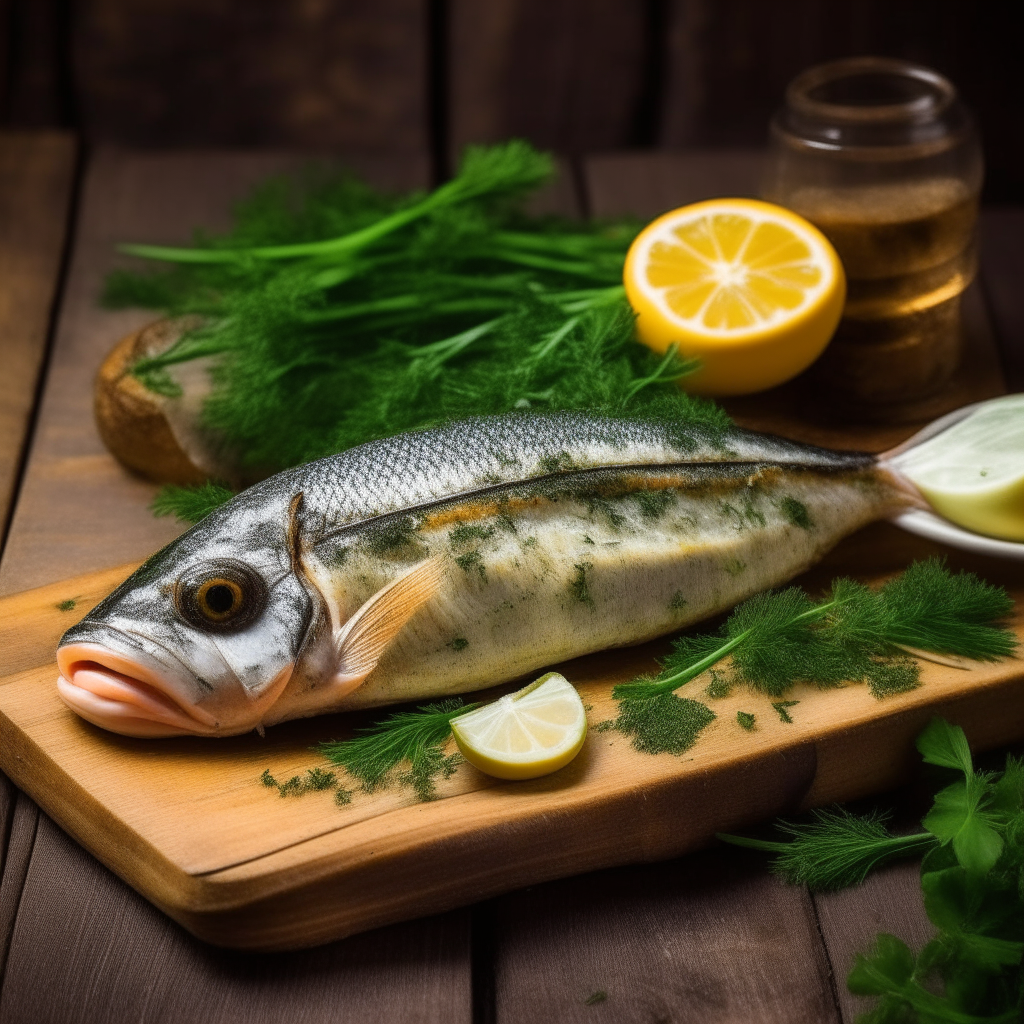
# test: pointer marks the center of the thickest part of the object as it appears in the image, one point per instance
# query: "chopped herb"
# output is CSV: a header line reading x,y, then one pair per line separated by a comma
x,y
267,779
465,532
295,786
663,724
472,560
653,503
678,602
67,605
395,535
795,512
342,797
459,643
316,780
746,720
579,586
719,686
781,707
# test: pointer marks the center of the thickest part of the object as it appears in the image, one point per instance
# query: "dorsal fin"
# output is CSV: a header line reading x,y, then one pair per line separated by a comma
x,y
361,642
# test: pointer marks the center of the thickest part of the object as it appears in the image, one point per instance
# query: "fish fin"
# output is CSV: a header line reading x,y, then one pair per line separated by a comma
x,y
363,639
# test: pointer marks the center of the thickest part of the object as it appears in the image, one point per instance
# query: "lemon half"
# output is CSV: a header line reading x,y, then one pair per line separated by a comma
x,y
532,732
973,473
751,289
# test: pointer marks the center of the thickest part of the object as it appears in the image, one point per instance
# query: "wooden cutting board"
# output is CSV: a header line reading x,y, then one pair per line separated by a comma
x,y
189,825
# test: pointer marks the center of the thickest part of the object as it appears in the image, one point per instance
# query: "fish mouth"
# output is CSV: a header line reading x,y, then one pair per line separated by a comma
x,y
123,695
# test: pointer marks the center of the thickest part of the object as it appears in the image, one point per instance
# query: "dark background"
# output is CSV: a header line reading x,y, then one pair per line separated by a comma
x,y
427,76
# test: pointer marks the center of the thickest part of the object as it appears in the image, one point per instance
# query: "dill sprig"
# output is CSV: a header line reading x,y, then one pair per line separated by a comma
x,y
837,849
416,737
342,315
972,882
855,634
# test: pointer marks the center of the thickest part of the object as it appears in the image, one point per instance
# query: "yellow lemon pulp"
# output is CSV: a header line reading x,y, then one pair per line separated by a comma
x,y
973,473
532,732
749,288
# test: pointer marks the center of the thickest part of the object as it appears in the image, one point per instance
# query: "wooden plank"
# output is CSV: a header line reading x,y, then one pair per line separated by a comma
x,y
121,960
36,178
340,76
79,510
889,900
192,831
567,76
1002,270
705,940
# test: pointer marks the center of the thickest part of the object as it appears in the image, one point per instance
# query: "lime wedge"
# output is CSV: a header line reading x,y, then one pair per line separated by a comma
x,y
973,473
532,732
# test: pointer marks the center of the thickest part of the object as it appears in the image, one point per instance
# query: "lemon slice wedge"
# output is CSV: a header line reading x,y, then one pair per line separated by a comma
x,y
751,289
973,472
532,732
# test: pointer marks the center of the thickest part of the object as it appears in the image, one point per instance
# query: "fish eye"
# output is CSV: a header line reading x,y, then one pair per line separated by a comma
x,y
220,596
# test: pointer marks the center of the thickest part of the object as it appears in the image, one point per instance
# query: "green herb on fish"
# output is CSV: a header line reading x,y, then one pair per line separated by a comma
x,y
972,881
796,512
416,737
856,634
339,315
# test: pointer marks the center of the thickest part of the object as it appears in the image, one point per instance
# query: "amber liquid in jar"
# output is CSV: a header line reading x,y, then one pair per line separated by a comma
x,y
880,156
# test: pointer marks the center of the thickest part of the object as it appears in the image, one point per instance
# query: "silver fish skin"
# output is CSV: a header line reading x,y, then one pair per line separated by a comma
x,y
450,559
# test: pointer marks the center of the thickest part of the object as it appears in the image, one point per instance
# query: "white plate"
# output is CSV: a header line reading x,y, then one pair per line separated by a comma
x,y
927,524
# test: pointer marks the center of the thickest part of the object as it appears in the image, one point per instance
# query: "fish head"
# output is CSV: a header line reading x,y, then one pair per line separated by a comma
x,y
202,639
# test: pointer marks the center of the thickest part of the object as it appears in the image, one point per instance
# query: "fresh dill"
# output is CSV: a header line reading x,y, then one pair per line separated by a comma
x,y
316,780
333,315
746,720
972,882
856,634
782,710
416,737
190,504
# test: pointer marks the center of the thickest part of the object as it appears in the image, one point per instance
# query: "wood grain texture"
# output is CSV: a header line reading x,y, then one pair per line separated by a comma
x,y
36,178
568,75
192,830
889,900
1002,274
711,939
122,960
74,492
344,75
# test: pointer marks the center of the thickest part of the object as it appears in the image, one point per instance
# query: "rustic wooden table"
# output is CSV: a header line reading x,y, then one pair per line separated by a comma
x,y
707,938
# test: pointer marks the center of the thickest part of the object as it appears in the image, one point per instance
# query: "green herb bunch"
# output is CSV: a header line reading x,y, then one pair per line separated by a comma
x,y
854,635
340,315
972,879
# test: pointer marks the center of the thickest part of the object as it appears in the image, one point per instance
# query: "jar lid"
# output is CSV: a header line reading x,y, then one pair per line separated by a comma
x,y
873,103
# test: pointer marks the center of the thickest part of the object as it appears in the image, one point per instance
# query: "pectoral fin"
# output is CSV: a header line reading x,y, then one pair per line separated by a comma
x,y
363,639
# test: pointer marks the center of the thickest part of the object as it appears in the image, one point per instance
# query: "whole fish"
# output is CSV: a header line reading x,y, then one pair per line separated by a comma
x,y
450,559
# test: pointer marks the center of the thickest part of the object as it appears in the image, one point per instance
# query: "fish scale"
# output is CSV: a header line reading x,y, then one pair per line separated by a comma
x,y
422,467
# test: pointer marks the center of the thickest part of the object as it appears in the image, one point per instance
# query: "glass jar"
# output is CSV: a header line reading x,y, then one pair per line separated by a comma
x,y
884,159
